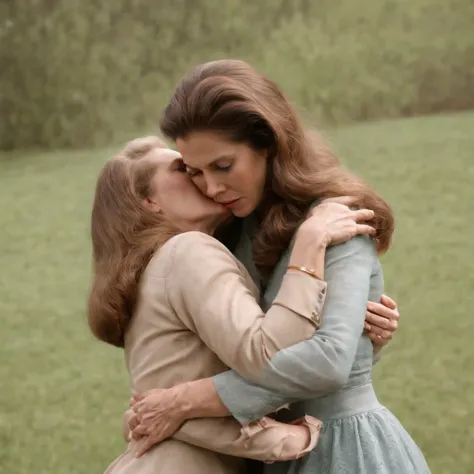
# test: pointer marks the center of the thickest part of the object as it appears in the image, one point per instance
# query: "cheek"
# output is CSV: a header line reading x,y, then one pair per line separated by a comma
x,y
166,187
252,178
185,187
200,183
171,188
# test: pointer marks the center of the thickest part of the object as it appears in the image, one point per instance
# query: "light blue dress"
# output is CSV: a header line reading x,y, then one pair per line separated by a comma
x,y
328,376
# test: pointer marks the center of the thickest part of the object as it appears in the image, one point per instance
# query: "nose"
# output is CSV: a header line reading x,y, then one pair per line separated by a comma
x,y
213,187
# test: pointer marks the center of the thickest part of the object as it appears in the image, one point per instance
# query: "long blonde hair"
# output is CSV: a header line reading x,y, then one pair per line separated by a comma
x,y
125,235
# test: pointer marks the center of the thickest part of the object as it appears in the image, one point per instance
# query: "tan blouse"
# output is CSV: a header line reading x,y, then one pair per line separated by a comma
x,y
197,315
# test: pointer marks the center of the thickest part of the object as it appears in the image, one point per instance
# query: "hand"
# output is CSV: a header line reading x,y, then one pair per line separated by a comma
x,y
158,415
304,436
294,439
381,320
298,440
129,421
336,223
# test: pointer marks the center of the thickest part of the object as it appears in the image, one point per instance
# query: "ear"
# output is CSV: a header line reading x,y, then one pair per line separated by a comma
x,y
152,205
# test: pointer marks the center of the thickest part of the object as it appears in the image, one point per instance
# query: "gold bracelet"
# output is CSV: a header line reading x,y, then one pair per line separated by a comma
x,y
306,270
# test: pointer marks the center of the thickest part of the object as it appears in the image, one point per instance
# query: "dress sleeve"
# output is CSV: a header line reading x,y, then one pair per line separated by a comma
x,y
314,367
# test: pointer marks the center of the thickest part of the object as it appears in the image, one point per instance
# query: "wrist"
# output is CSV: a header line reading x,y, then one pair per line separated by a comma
x,y
309,254
186,402
199,399
321,240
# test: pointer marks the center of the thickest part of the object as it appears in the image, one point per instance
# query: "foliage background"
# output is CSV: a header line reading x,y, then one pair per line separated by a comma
x,y
78,73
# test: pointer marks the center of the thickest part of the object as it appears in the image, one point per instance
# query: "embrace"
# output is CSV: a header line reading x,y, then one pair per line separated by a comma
x,y
240,275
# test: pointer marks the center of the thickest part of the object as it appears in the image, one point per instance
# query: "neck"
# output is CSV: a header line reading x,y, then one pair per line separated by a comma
x,y
208,226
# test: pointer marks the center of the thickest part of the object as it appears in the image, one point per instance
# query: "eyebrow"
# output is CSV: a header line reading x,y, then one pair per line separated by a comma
x,y
230,156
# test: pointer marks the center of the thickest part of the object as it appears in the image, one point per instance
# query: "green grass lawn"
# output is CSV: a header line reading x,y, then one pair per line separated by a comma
x,y
63,393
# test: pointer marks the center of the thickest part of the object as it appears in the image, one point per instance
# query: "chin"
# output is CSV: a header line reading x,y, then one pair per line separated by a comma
x,y
222,216
244,212
246,208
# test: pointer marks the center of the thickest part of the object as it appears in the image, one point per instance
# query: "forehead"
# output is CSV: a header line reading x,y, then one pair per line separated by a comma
x,y
164,156
201,148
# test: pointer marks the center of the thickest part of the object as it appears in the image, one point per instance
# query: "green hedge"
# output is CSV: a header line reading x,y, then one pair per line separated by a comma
x,y
77,73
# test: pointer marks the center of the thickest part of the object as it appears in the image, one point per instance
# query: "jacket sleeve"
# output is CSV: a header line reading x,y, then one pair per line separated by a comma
x,y
264,440
209,292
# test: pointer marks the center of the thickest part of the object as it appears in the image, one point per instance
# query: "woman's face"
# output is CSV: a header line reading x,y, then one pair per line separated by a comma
x,y
232,174
176,195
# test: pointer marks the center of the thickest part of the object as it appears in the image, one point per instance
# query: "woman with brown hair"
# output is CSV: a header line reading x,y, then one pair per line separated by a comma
x,y
183,307
244,146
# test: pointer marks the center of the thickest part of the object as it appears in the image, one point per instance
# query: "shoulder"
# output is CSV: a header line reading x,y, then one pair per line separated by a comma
x,y
192,251
361,249
193,244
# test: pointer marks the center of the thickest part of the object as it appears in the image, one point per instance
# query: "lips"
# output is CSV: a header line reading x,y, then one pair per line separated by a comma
x,y
230,204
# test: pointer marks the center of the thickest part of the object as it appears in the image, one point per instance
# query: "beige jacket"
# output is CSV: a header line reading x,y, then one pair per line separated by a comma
x,y
197,315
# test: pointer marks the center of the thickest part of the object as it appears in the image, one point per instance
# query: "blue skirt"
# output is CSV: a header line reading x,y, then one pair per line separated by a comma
x,y
370,442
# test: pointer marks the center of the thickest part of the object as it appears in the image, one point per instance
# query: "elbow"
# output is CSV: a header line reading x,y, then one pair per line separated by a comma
x,y
338,368
338,378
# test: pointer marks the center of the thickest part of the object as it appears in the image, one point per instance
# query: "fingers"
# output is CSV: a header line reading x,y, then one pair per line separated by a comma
x,y
145,446
362,215
381,322
140,407
133,422
136,398
318,211
379,327
387,301
384,311
378,340
364,229
139,431
377,332
345,200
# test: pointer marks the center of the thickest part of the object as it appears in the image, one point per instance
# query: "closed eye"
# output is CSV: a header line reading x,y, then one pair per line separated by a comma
x,y
192,172
222,168
178,165
182,167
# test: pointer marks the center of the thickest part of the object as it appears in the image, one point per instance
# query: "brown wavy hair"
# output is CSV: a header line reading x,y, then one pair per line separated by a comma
x,y
125,235
232,98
